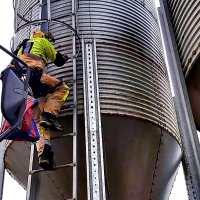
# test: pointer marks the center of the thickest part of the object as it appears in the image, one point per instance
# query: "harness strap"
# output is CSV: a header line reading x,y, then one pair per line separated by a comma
x,y
20,45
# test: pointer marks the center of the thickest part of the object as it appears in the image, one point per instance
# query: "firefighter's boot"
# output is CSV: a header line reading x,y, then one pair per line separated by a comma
x,y
46,160
49,121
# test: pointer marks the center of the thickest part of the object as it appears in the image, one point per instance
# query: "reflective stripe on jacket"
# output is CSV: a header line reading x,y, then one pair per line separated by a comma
x,y
40,47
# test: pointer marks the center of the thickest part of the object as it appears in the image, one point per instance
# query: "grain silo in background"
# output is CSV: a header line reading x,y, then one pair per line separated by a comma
x,y
185,16
128,141
181,32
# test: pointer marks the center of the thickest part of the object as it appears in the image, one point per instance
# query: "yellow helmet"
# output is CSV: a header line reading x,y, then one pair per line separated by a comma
x,y
38,34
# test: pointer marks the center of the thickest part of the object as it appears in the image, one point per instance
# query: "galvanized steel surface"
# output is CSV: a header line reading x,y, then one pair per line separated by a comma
x,y
30,10
141,143
93,131
133,81
133,77
185,16
132,74
190,142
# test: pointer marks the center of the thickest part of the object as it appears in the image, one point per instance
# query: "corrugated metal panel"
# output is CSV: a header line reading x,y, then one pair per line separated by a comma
x,y
61,10
150,6
185,17
30,11
133,79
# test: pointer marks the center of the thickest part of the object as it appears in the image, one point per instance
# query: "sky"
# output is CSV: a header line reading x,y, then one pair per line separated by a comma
x,y
6,33
17,192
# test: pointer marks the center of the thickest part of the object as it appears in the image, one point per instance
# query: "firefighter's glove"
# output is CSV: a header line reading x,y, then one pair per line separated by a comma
x,y
66,57
60,59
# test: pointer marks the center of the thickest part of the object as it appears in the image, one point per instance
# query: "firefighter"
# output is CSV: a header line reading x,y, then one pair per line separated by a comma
x,y
50,92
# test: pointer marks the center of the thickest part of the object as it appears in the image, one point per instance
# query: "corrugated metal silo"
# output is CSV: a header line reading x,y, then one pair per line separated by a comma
x,y
185,17
140,133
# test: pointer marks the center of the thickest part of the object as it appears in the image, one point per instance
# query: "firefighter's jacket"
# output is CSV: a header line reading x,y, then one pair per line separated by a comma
x,y
37,51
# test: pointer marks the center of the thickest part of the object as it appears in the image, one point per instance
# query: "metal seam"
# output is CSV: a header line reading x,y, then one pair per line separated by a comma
x,y
156,165
57,188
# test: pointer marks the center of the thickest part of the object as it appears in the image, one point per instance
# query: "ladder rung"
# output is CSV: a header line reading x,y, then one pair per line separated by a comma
x,y
70,106
70,81
53,169
65,135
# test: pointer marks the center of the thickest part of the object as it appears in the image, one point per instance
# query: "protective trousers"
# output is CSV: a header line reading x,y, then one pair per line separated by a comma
x,y
50,103
44,132
57,97
41,83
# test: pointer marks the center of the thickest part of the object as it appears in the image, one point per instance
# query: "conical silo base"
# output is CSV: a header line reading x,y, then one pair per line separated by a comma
x,y
193,87
141,161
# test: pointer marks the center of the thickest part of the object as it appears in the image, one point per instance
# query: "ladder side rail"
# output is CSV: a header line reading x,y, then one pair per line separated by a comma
x,y
2,167
33,184
74,192
48,10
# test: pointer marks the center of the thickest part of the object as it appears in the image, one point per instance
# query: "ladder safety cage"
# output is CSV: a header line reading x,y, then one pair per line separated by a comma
x,y
33,177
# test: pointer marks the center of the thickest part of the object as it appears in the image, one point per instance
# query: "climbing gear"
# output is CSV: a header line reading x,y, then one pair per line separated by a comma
x,y
40,47
49,121
19,46
19,70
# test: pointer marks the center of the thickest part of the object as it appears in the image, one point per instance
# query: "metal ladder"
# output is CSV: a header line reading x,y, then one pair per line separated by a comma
x,y
33,184
93,135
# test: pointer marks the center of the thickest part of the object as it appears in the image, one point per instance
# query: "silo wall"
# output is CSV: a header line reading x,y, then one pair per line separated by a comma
x,y
140,133
185,17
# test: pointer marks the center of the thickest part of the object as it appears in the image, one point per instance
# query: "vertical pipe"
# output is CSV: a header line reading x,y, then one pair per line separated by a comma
x,y
2,169
44,15
74,192
40,13
49,10
191,147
